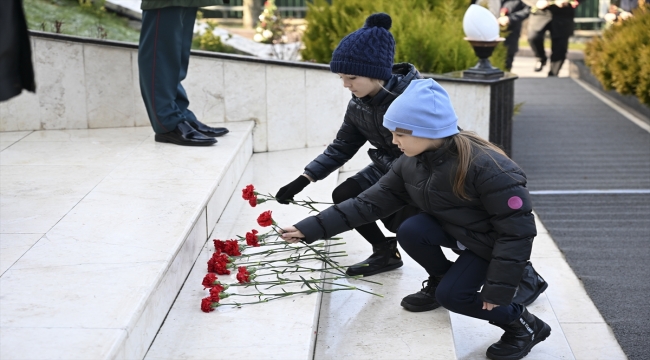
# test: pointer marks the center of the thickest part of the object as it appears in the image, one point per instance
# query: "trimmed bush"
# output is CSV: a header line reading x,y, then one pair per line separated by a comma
x,y
428,33
620,59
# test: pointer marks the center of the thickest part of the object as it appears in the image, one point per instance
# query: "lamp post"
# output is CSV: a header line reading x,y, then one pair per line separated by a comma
x,y
482,32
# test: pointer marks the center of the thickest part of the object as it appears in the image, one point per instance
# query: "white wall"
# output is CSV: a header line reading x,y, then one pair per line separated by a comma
x,y
89,85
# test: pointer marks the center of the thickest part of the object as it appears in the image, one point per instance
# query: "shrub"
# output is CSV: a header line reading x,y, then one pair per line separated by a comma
x,y
620,59
428,33
208,41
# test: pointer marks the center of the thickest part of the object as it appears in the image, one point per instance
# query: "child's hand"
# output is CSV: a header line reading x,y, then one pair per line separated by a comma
x,y
541,4
292,235
562,3
503,20
487,306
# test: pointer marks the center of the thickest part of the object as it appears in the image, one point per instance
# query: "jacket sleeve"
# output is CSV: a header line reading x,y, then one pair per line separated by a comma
x,y
348,141
507,201
382,199
520,13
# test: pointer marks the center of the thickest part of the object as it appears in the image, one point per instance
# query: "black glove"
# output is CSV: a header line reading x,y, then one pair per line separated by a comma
x,y
287,192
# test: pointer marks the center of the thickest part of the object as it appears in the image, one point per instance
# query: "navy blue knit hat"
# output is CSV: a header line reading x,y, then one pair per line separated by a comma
x,y
367,52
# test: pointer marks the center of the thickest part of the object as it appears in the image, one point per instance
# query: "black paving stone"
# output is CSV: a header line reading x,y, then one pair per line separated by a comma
x,y
567,139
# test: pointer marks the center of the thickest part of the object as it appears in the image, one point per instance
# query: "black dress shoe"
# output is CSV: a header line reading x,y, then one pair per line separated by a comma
x,y
184,134
207,130
539,65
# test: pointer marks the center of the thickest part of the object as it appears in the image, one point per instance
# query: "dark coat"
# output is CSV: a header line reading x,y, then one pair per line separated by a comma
x,y
363,122
518,11
561,19
16,69
496,223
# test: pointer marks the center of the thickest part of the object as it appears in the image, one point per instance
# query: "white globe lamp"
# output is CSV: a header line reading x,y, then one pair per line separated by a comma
x,y
482,32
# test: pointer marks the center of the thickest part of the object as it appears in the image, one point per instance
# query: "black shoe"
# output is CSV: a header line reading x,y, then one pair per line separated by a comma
x,y
385,257
520,336
207,130
555,68
539,65
184,134
425,299
532,285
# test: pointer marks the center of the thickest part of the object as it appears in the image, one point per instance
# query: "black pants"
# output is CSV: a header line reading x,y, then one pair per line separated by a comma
x,y
163,59
421,236
349,189
560,28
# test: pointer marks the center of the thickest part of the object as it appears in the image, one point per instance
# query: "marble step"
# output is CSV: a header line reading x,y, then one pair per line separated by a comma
x,y
99,230
280,329
356,325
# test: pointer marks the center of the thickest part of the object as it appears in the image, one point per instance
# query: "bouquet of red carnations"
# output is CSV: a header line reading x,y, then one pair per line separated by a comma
x,y
271,267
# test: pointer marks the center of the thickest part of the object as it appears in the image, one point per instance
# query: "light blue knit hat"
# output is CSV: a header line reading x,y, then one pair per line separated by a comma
x,y
423,110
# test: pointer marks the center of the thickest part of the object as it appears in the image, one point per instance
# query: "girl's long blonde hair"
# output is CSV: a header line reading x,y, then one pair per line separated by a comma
x,y
462,144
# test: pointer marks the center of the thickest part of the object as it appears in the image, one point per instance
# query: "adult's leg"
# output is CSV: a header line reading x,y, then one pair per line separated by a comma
x,y
512,45
188,32
537,27
560,32
160,63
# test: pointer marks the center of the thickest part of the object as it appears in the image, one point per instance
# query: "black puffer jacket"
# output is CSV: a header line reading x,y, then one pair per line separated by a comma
x,y
496,223
363,122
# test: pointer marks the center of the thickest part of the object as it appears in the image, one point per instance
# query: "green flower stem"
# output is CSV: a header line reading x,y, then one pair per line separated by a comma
x,y
288,260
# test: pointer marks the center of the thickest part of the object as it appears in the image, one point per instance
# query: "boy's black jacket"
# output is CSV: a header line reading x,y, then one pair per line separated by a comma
x,y
486,224
363,122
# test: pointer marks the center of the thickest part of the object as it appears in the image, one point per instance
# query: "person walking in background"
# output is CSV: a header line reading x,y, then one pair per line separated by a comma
x,y
474,200
512,14
364,61
557,17
163,59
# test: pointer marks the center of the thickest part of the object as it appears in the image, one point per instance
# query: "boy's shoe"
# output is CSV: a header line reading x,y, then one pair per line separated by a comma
x,y
425,299
539,65
385,257
520,337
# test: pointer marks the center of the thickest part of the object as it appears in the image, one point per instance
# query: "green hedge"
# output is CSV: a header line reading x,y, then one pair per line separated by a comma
x,y
620,59
428,33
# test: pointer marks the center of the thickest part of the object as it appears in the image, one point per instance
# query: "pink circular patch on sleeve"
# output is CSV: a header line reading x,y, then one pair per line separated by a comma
x,y
515,202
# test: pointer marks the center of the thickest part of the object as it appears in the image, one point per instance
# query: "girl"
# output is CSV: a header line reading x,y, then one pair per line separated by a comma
x,y
364,61
474,200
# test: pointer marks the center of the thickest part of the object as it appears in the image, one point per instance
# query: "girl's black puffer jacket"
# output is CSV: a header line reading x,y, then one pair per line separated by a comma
x,y
496,223
363,122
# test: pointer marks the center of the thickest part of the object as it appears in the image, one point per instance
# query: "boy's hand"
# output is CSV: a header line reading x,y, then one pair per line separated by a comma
x,y
292,235
503,20
562,3
541,4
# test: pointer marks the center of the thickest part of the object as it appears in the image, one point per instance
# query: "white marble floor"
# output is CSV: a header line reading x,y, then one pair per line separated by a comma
x,y
96,228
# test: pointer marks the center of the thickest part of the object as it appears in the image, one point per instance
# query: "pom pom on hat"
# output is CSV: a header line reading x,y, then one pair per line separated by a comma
x,y
423,110
379,19
367,52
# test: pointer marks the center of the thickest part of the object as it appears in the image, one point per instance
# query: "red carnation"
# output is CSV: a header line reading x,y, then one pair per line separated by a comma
x,y
219,245
242,275
218,263
253,201
231,248
221,268
251,238
206,305
248,192
208,280
214,294
265,218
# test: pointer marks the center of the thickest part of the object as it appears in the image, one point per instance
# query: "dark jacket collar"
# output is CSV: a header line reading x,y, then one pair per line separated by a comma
x,y
403,74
